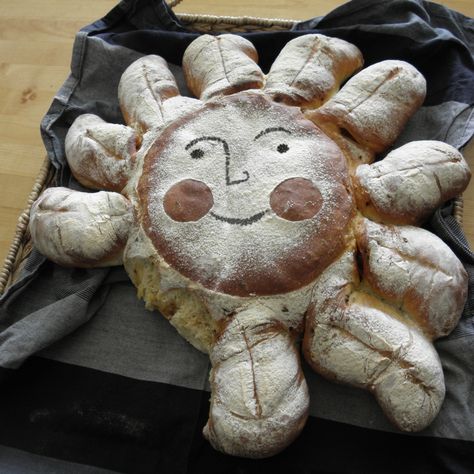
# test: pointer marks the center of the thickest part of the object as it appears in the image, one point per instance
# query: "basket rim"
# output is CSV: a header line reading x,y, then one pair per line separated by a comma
x,y
236,20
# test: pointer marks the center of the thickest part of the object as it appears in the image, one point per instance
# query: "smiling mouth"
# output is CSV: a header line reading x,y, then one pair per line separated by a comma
x,y
236,221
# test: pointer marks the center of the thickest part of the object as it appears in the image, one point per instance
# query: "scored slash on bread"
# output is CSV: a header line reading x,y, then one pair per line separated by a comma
x,y
389,191
255,214
81,227
257,386
381,313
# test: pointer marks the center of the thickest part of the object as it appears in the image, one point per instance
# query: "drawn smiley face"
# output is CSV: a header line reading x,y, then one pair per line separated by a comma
x,y
294,199
246,196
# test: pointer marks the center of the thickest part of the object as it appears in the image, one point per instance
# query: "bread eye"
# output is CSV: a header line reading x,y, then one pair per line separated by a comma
x,y
282,148
197,153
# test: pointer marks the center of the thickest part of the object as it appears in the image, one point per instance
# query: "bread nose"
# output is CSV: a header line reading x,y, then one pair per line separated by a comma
x,y
230,172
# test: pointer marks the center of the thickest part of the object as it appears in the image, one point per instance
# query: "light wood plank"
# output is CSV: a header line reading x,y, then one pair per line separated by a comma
x,y
57,31
85,11
45,53
22,76
12,185
29,104
8,218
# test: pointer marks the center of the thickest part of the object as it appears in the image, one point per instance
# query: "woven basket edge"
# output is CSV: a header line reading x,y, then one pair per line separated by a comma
x,y
236,20
22,225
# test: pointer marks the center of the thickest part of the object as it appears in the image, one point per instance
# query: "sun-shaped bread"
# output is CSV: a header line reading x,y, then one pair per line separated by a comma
x,y
255,217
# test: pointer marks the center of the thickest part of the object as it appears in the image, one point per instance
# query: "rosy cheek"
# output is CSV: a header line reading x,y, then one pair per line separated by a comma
x,y
188,200
296,199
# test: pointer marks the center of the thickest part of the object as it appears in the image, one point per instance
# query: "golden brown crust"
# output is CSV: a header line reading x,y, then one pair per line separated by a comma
x,y
287,271
414,270
143,88
355,337
410,182
310,69
375,104
77,229
101,155
259,401
183,307
221,65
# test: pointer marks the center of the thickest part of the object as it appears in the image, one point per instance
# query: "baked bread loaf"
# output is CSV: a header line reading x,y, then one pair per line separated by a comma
x,y
389,190
254,216
291,77
108,149
143,88
259,400
221,65
382,313
81,229
393,89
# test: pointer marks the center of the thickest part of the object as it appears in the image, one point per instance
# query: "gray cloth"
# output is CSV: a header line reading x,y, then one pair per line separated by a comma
x,y
15,461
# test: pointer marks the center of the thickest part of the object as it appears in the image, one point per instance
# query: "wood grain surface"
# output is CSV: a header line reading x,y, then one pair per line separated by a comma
x,y
36,39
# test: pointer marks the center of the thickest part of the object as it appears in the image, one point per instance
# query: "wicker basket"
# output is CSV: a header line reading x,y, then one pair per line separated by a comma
x,y
21,244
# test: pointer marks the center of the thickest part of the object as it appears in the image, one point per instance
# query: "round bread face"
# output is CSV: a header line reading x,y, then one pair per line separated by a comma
x,y
246,197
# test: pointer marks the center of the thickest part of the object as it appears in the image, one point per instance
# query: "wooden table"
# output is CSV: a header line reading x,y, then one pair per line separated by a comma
x,y
36,38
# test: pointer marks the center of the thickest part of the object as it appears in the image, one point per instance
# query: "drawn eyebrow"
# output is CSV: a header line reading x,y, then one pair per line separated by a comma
x,y
212,139
270,130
